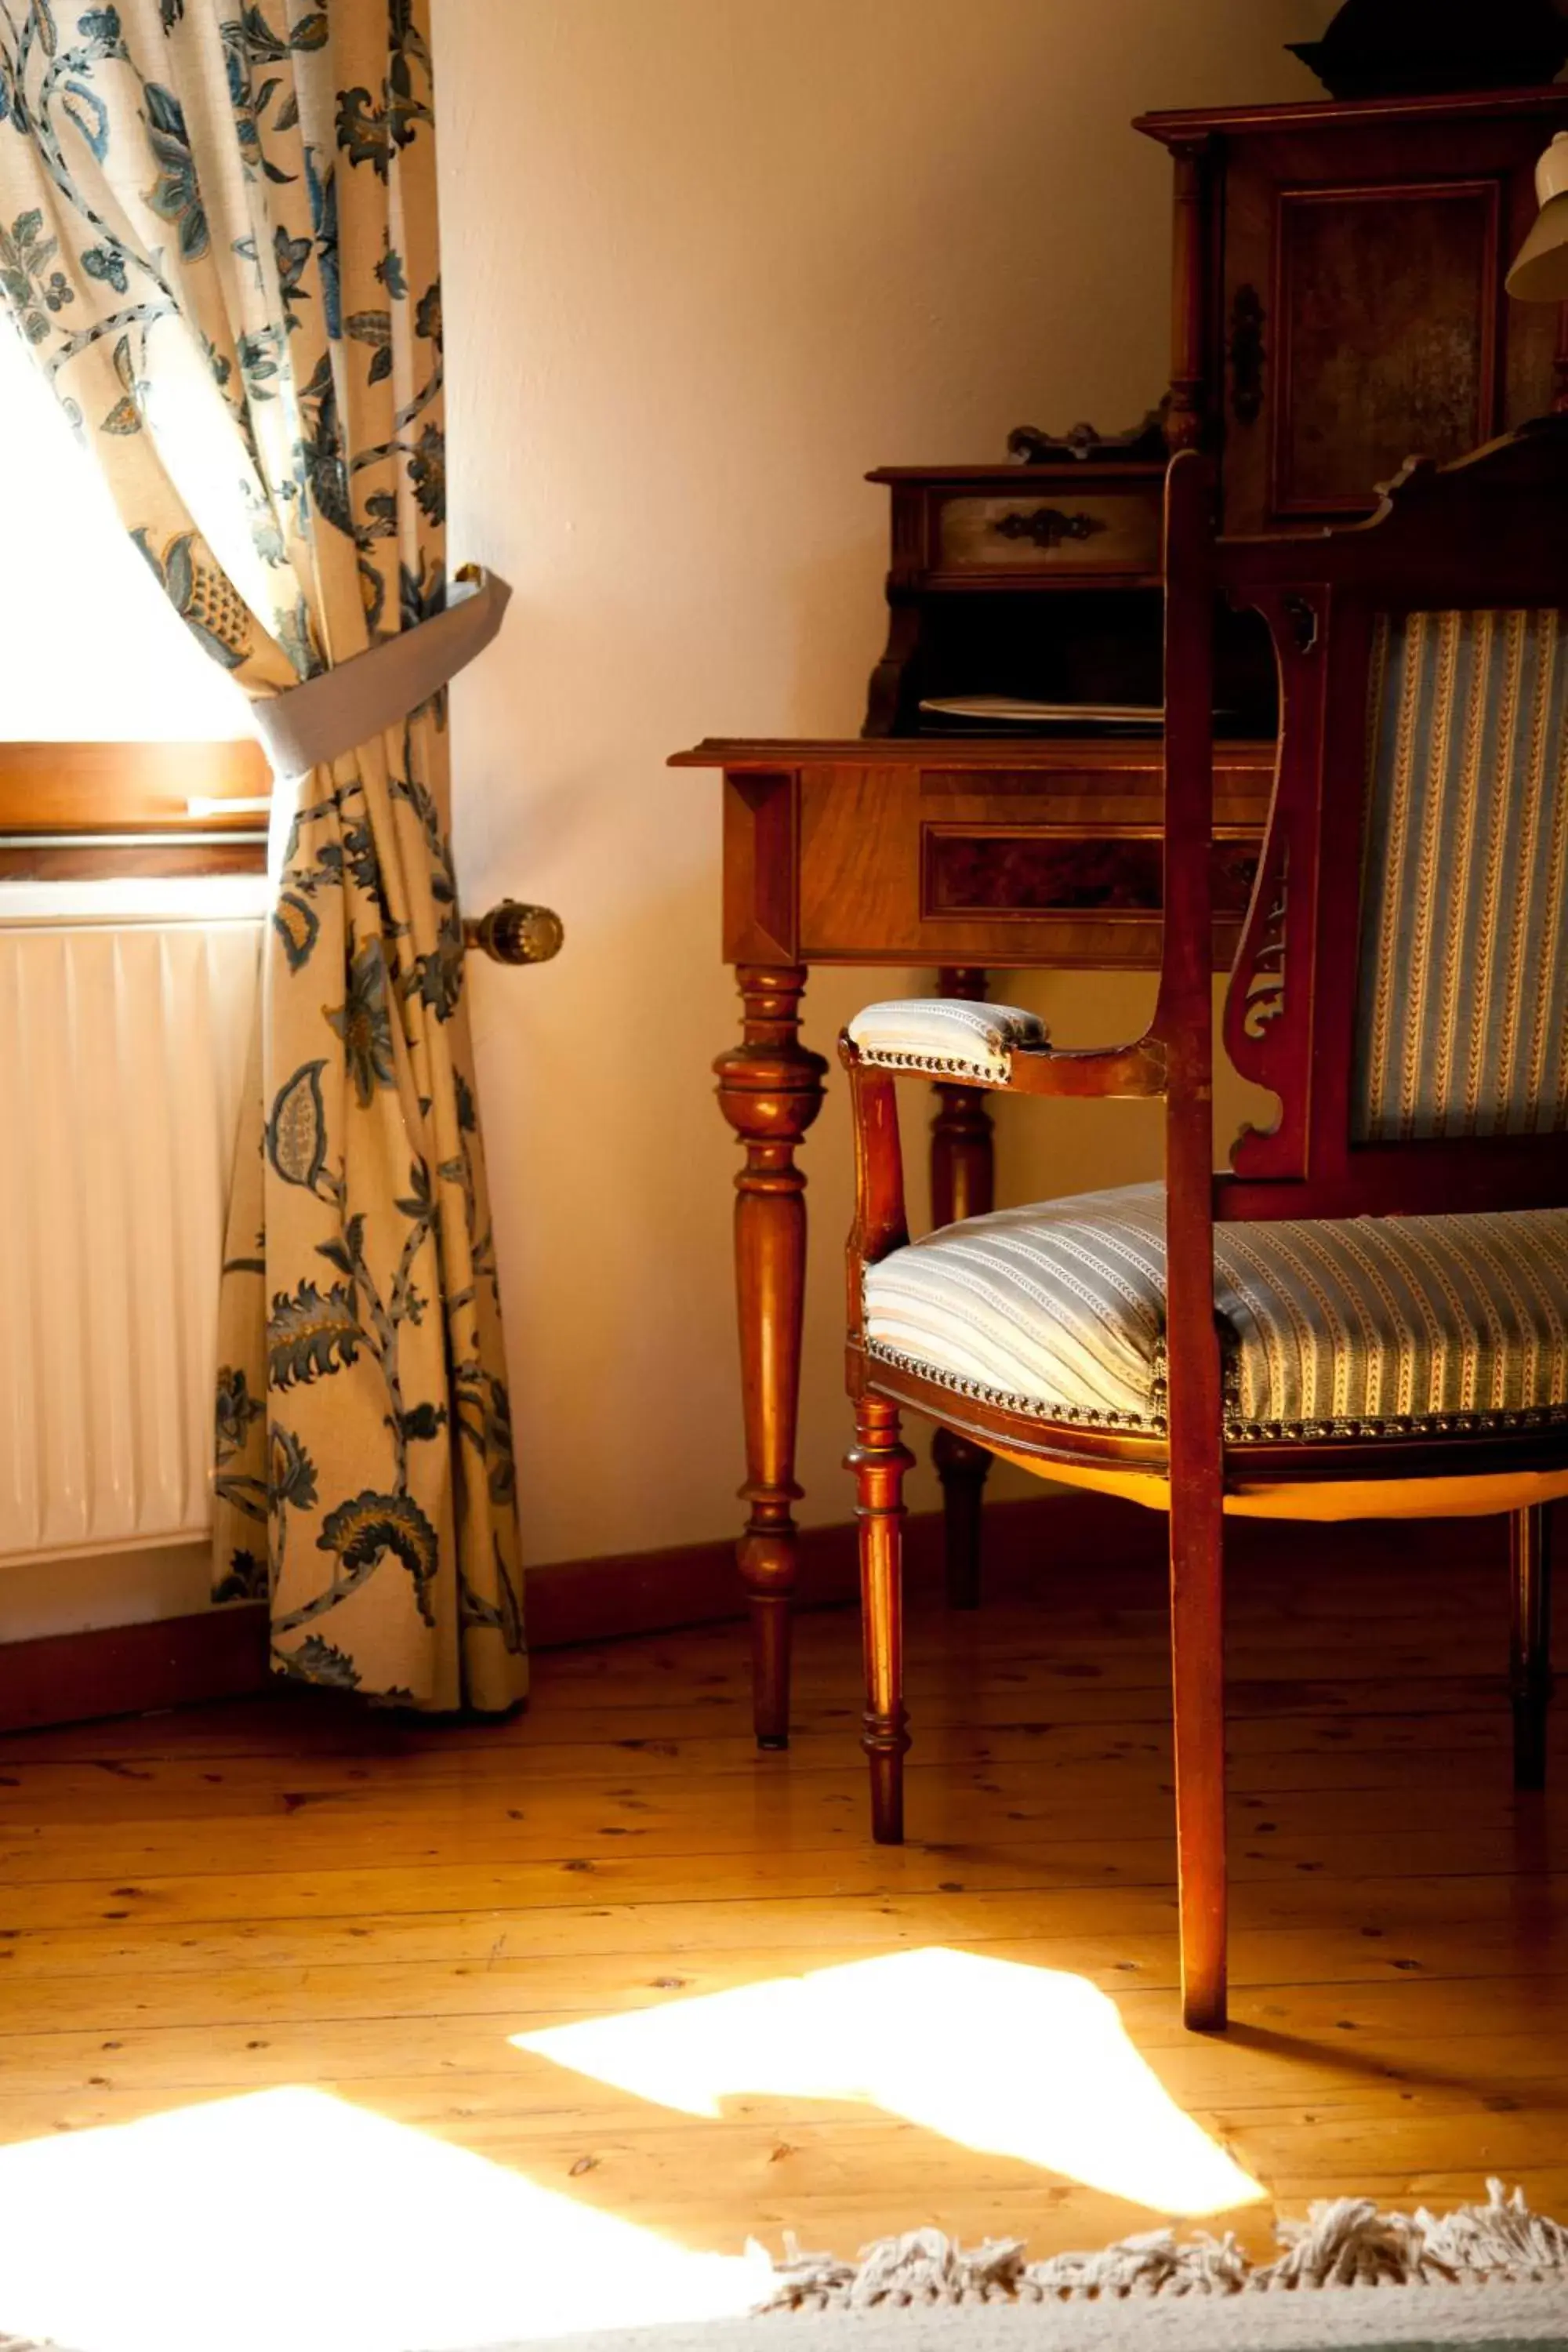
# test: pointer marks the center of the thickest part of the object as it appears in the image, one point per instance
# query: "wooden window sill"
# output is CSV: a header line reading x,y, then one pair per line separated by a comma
x,y
78,811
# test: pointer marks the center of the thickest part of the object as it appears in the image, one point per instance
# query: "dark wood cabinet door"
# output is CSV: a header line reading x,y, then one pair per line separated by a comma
x,y
1385,321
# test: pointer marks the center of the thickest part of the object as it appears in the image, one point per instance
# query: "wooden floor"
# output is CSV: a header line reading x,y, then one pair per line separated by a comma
x,y
292,1892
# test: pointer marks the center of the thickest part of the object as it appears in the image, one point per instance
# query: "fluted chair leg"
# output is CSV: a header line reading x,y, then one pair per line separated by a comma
x,y
1529,1645
962,1467
879,1463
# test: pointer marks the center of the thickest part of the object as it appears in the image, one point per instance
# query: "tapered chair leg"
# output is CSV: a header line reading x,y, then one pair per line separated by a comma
x,y
1197,1654
962,1466
1530,1644
879,1463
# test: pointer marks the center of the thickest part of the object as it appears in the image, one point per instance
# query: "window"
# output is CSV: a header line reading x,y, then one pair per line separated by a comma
x,y
113,721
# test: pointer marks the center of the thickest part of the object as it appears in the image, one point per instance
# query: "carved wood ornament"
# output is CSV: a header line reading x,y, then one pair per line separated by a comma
x,y
1047,526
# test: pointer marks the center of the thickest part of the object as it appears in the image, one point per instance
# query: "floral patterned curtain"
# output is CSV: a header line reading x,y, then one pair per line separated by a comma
x,y
218,237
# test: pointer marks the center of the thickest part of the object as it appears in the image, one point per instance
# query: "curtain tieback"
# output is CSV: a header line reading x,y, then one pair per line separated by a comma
x,y
312,724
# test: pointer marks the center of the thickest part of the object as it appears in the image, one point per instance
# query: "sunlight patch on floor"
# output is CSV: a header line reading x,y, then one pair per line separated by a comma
x,y
291,2218
1020,2062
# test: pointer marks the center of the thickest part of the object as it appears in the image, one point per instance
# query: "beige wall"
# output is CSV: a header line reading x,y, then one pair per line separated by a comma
x,y
706,261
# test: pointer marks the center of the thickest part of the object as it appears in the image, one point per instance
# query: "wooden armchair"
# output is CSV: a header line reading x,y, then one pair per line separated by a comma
x,y
1368,1315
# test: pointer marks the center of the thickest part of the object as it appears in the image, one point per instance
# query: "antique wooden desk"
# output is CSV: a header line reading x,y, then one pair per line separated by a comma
x,y
964,856
1336,302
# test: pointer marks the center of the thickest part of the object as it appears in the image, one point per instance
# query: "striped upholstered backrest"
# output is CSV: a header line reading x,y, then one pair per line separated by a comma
x,y
1462,1025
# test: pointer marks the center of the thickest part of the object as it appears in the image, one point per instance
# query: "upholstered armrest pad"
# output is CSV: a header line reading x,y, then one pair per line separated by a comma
x,y
945,1036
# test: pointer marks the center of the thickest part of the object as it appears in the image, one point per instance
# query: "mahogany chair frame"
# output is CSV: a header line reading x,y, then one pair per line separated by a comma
x,y
1490,530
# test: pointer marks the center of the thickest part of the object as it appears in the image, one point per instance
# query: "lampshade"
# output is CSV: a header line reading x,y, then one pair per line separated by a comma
x,y
1540,273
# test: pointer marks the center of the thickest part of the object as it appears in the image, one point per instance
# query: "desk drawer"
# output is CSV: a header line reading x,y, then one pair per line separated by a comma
x,y
1003,868
1066,530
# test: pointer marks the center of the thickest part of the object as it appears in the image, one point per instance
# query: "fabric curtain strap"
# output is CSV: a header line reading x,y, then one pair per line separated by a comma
x,y
311,725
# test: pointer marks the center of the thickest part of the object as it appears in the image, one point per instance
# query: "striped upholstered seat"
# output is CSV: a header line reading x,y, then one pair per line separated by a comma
x,y
1360,1326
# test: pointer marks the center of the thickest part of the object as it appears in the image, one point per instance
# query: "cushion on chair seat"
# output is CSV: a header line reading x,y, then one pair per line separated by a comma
x,y
1353,1327
945,1034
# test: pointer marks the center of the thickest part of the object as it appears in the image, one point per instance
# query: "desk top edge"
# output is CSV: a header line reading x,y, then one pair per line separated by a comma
x,y
954,752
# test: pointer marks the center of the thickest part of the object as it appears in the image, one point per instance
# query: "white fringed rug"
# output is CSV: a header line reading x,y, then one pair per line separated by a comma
x,y
1492,2275
1342,2244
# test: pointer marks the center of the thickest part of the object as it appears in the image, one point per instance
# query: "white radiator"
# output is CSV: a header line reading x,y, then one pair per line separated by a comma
x,y
124,1019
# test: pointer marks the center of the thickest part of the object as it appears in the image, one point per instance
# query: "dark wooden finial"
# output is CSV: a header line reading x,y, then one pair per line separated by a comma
x,y
1404,48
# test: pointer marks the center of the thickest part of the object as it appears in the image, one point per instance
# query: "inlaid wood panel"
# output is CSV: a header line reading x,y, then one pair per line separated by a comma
x,y
1049,870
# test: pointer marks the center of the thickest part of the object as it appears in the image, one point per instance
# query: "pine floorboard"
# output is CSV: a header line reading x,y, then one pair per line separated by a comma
x,y
292,1892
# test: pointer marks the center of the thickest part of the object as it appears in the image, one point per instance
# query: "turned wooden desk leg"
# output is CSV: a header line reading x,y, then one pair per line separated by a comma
x,y
1530,1661
962,1184
770,1090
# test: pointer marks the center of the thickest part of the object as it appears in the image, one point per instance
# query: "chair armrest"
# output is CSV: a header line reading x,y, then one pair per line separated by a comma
x,y
996,1045
953,1038
945,1037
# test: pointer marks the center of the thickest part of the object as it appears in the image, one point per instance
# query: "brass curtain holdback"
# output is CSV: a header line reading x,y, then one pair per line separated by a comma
x,y
312,724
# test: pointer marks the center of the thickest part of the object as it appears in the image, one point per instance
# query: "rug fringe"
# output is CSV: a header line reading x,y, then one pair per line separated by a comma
x,y
1345,2242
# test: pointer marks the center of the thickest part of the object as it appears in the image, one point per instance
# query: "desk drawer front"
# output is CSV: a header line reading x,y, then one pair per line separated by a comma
x,y
948,864
1065,531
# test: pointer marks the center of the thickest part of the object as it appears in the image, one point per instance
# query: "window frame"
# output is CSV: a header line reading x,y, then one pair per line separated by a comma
x,y
91,810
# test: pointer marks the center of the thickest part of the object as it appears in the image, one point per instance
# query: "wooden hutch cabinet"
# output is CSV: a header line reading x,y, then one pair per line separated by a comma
x,y
1339,291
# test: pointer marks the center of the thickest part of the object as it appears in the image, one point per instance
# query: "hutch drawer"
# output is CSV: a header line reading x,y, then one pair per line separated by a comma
x,y
1069,529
